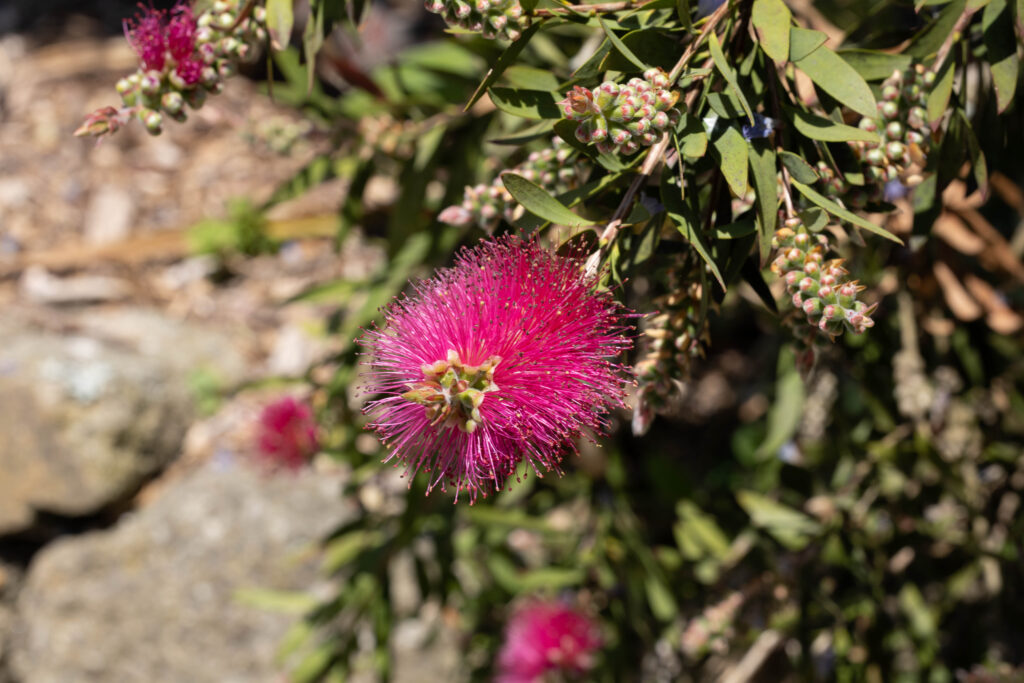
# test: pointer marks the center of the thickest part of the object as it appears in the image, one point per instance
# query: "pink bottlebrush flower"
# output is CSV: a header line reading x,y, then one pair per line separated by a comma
x,y
146,35
155,36
286,434
547,637
505,357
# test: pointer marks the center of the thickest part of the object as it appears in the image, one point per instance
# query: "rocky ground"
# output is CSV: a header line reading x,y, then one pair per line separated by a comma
x,y
138,539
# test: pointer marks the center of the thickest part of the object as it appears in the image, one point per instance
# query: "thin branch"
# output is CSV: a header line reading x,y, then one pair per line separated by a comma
x,y
657,152
584,9
243,15
947,44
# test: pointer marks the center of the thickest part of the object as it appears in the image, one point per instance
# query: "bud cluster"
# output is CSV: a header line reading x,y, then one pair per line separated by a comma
x,y
484,205
623,116
182,58
671,340
819,287
902,124
491,18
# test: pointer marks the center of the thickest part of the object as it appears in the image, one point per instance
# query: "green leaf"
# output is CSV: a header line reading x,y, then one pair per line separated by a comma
x,y
726,105
507,58
279,601
814,219
445,56
762,168
731,151
537,130
697,533
531,78
798,168
928,41
840,80
938,98
694,237
873,65
840,212
722,64
279,23
313,38
693,140
735,231
978,163
787,408
650,46
827,130
621,47
683,10
659,597
997,27
530,104
772,19
789,527
540,203
804,41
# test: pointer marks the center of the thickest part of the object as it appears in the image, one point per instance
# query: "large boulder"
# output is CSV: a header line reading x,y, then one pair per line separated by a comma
x,y
93,403
161,596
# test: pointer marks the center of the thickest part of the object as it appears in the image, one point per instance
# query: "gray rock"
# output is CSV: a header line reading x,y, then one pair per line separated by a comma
x,y
94,405
156,598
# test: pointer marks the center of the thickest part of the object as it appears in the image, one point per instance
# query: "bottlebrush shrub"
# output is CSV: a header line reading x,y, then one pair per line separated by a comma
x,y
182,57
506,357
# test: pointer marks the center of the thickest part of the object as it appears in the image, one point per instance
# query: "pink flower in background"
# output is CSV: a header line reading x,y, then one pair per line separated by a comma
x,y
543,638
505,357
287,433
156,36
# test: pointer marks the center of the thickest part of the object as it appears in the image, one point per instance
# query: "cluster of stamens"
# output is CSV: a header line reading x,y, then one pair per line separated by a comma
x,y
452,392
491,18
818,287
624,117
484,205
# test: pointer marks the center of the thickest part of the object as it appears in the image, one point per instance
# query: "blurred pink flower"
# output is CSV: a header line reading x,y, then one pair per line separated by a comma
x,y
505,357
287,433
546,637
156,36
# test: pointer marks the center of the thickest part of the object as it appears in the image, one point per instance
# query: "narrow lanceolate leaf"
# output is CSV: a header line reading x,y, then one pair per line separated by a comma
x,y
621,47
873,65
841,213
840,80
787,410
313,39
693,235
799,168
818,128
507,58
938,98
279,23
722,64
731,152
804,41
772,19
537,201
762,167
997,25
530,104
790,527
